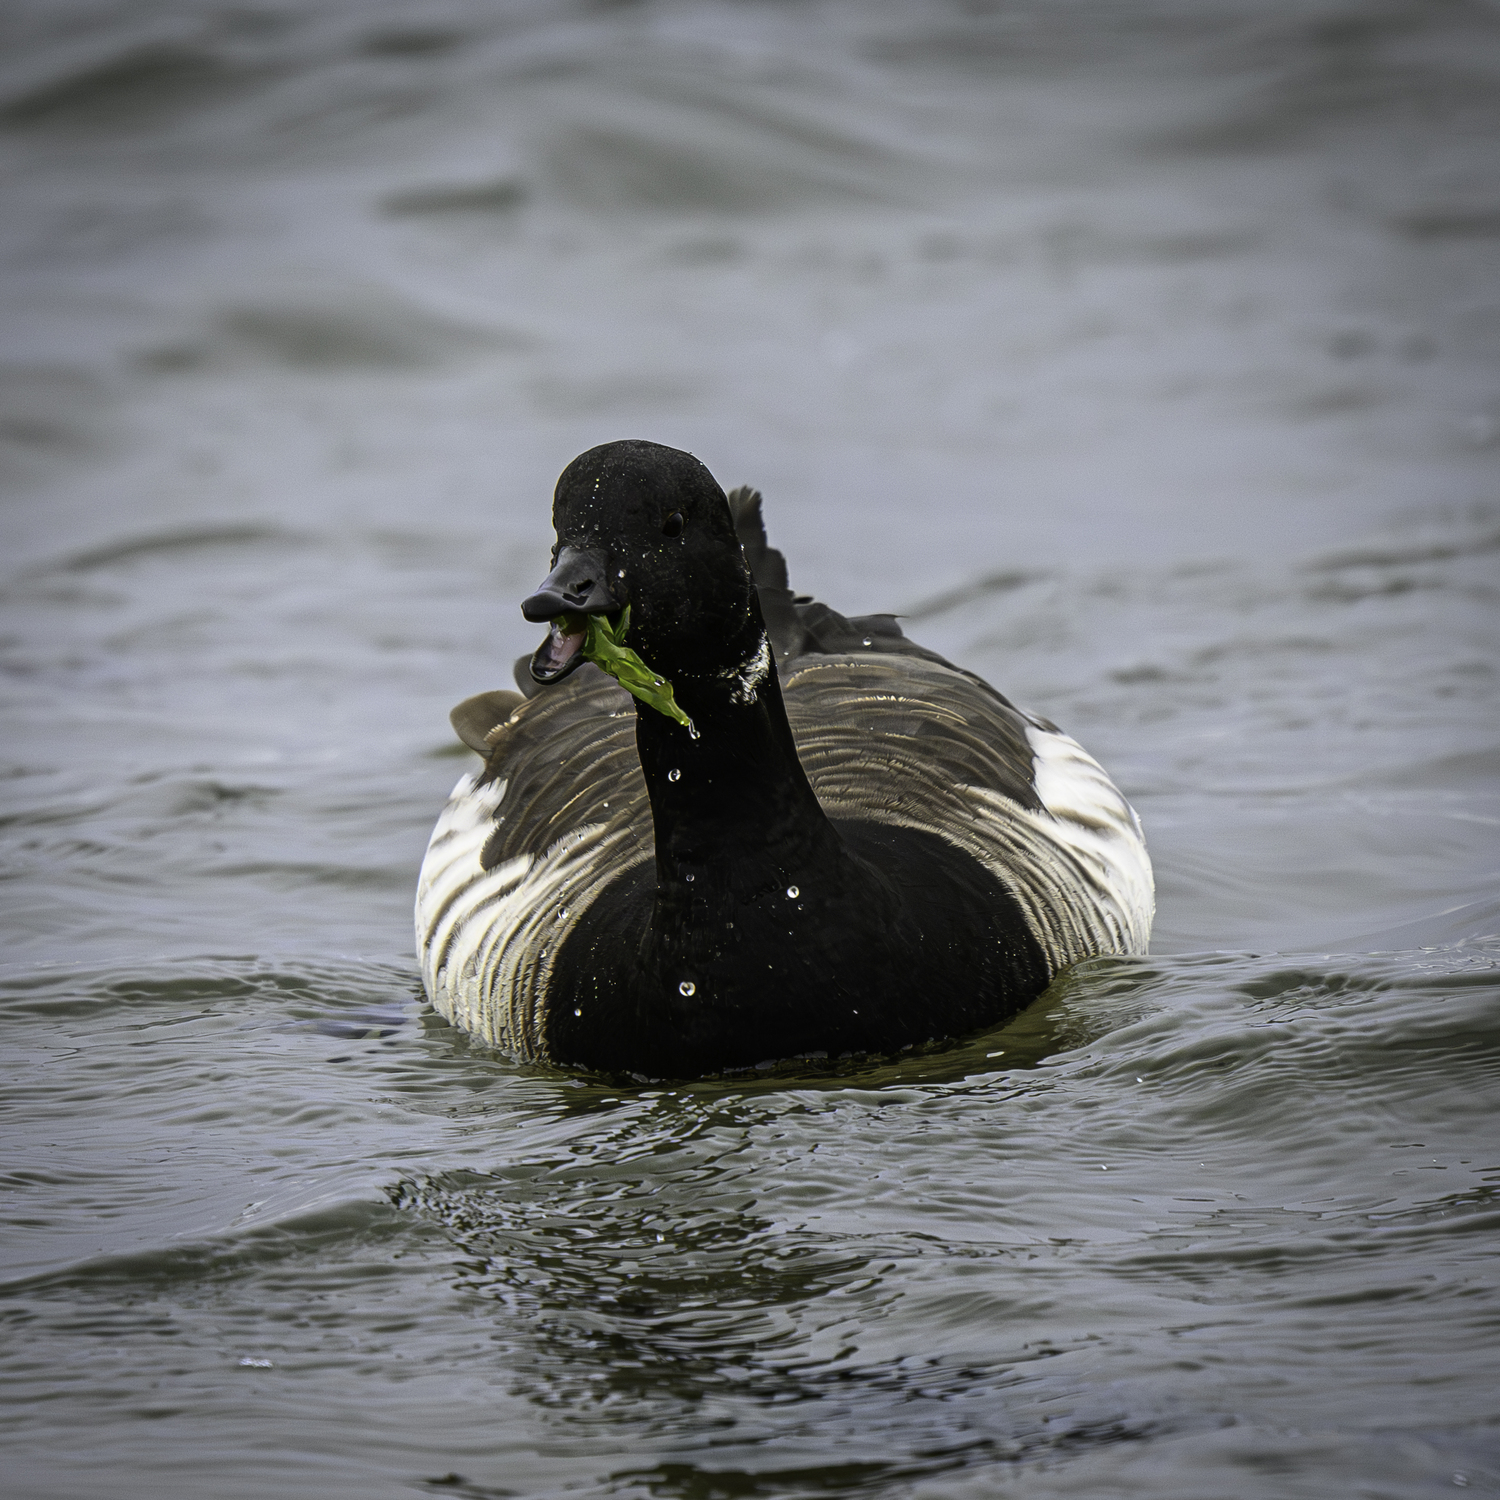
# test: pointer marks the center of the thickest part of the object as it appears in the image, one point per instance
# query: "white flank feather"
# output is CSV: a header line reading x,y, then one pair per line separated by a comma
x,y
487,937
1099,832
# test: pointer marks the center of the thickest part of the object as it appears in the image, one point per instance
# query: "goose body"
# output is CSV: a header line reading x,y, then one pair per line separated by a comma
x,y
854,847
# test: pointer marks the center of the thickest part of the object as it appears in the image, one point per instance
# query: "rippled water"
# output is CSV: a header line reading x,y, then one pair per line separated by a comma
x,y
1145,354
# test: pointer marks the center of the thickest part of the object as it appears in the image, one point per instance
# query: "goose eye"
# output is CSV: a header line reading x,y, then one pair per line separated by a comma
x,y
672,526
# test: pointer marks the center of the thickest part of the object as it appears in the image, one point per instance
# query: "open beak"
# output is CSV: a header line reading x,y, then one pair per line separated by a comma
x,y
578,586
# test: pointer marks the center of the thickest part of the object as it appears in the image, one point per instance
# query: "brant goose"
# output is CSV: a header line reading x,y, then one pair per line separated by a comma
x,y
726,825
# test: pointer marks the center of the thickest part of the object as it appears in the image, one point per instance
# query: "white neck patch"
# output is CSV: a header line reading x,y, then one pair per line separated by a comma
x,y
748,676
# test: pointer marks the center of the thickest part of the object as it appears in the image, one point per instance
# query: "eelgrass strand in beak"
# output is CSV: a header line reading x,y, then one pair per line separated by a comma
x,y
603,645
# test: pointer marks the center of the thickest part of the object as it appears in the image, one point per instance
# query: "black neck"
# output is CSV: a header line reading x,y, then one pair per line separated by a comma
x,y
752,880
732,805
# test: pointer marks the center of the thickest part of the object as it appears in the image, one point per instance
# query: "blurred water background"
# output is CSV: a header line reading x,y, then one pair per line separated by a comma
x,y
1145,352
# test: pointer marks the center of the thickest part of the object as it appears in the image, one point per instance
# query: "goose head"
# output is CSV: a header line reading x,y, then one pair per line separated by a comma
x,y
646,526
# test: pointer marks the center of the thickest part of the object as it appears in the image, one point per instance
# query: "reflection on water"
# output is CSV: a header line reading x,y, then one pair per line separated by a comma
x,y
1145,356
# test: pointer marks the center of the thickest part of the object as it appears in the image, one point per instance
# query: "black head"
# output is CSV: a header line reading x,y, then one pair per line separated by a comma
x,y
648,526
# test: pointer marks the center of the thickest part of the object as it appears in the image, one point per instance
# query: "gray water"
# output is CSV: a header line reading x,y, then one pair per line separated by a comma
x,y
1145,352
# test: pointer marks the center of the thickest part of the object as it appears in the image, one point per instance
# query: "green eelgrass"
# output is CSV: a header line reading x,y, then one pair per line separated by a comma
x,y
603,646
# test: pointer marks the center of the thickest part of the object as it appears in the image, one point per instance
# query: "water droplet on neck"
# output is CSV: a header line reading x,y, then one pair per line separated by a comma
x,y
866,641
687,987
674,775
793,891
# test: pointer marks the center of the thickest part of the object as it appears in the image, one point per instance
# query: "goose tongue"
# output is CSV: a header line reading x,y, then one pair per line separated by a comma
x,y
558,654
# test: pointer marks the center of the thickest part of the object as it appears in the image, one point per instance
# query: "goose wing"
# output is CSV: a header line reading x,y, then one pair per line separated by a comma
x,y
912,741
798,624
891,731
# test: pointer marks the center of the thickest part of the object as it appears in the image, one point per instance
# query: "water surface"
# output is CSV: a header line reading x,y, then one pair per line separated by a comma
x,y
1144,354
